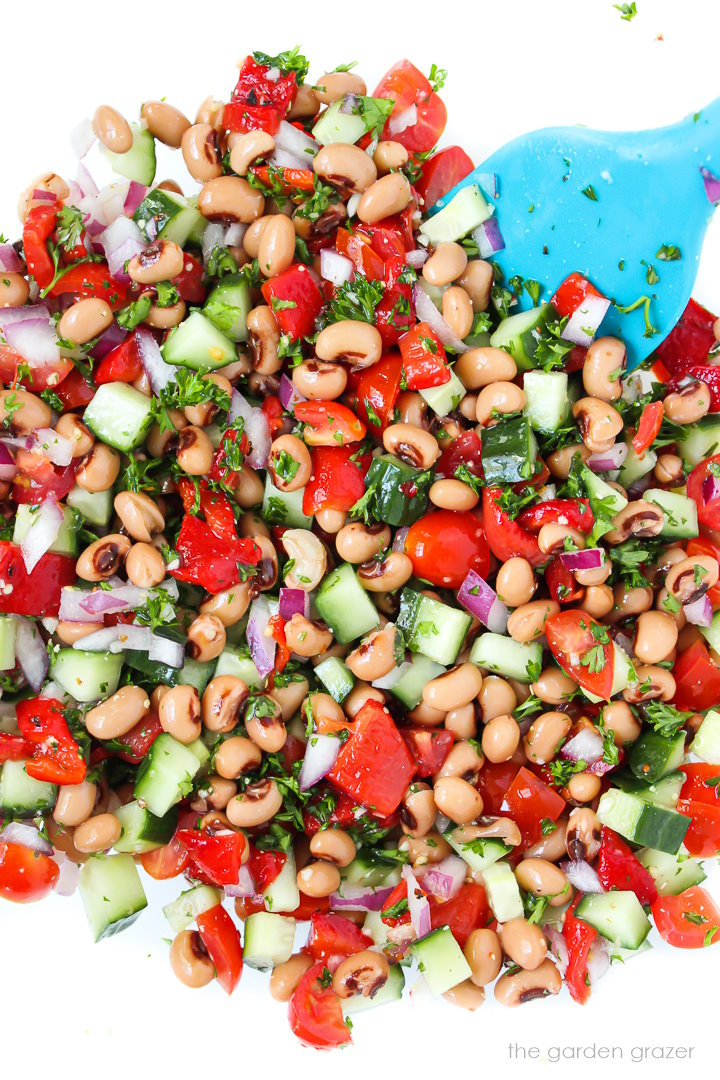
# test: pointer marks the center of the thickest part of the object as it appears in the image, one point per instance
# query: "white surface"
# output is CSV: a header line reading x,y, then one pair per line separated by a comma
x,y
115,1010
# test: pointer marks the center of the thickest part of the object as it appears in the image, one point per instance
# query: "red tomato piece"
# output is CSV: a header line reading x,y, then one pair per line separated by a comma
x,y
407,86
573,512
507,538
140,738
264,866
343,813
189,283
424,358
315,1013
429,747
529,801
25,875
578,643
75,391
122,364
357,247
37,478
702,783
688,921
690,340
295,299
374,766
377,390
444,545
333,935
441,172
697,678
14,747
395,314
465,450
703,487
704,545
493,782
219,857
37,593
703,837
561,583
337,478
619,869
167,861
467,911
307,906
221,939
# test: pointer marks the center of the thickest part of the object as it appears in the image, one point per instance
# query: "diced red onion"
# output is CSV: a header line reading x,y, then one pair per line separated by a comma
x,y
350,104
427,312
262,646
41,535
8,468
386,682
711,184
10,261
699,612
82,137
283,159
121,241
69,874
235,234
481,600
44,196
30,332
245,886
584,322
19,832
135,195
598,960
294,141
710,488
119,597
335,268
213,236
56,448
157,370
84,181
600,767
117,638
321,754
558,947
587,559
586,746
399,539
444,879
165,651
109,340
112,198
288,395
488,238
581,875
294,602
418,904
30,652
608,459
70,606
360,898
417,257
51,689
256,429
402,121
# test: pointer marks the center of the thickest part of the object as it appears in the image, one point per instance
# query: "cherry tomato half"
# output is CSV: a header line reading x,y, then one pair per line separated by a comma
x,y
444,545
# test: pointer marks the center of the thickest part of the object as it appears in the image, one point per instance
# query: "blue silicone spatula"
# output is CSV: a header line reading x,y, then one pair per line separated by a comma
x,y
603,203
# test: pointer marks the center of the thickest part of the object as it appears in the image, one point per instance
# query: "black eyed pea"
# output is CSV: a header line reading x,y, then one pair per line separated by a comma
x,y
463,721
324,708
689,404
559,462
170,185
543,878
553,687
597,576
75,803
206,638
70,632
195,451
364,973
224,198
604,367
277,246
417,810
553,538
14,289
656,635
309,557
496,698
290,697
220,791
465,996
550,847
464,761
205,412
258,803
527,622
264,340
345,166
498,398
669,469
452,494
374,657
253,235
426,850
639,518
653,683
629,601
483,366
289,463
112,129
307,637
412,408
144,566
447,262
357,543
620,720
98,833
334,846
318,879
210,112
71,427
265,727
411,444
231,604
500,738
45,182
250,147
200,152
25,413
457,799
103,558
690,579
598,601
235,756
360,694
457,310
336,84
249,491
118,713
599,423
426,716
484,954
190,961
165,122
330,521
583,835
356,342
516,583
319,379
180,713
477,281
389,156
454,688
267,567
160,261
392,573
285,977
524,942
583,787
545,735
387,196
668,605
523,986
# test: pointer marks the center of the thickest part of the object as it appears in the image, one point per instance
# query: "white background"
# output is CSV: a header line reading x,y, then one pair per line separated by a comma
x,y
70,1008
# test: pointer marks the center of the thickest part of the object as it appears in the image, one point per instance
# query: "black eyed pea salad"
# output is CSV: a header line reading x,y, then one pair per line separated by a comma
x,y
363,592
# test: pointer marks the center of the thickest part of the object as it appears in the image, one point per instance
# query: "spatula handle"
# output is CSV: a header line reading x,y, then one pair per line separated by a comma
x,y
696,139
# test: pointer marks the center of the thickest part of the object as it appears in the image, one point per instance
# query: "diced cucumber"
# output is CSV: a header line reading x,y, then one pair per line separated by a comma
x,y
22,795
199,749
711,633
463,213
119,415
503,892
519,334
702,440
618,916
335,126
345,606
141,830
432,628
268,939
444,399
672,874
369,869
634,468
504,656
65,543
391,991
197,343
391,479
599,491
336,677
441,960
375,928
664,792
95,506
165,775
8,630
679,513
653,756
182,912
410,685
112,893
137,163
641,821
234,661
87,676
480,853
509,452
167,215
227,306
195,673
284,507
283,894
547,401
706,743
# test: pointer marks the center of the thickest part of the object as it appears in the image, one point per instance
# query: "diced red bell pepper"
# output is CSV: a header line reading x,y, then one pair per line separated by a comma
x,y
424,358
579,939
429,747
333,935
689,342
528,801
221,939
36,593
295,299
395,314
571,293
704,373
697,678
650,423
92,279
374,766
214,506
255,88
702,783
122,364
14,747
189,282
331,423
508,538
575,513
219,857
337,480
357,247
619,869
295,182
243,118
75,391
140,738
342,815
265,866
56,757
394,912
210,561
37,230
377,390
